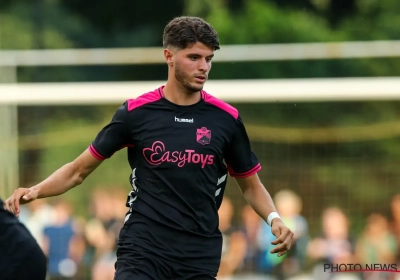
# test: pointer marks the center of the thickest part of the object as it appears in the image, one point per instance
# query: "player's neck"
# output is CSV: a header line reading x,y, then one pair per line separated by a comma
x,y
178,95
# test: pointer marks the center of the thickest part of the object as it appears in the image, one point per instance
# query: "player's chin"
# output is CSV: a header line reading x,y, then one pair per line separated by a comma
x,y
196,87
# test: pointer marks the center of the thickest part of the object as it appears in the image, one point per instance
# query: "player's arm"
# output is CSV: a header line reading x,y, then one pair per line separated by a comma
x,y
257,196
110,139
65,178
260,200
243,165
68,176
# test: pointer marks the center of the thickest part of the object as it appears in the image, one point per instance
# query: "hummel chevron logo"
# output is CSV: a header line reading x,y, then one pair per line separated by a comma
x,y
221,180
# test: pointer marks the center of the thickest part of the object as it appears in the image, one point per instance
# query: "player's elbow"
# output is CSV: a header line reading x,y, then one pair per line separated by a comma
x,y
77,173
78,180
82,166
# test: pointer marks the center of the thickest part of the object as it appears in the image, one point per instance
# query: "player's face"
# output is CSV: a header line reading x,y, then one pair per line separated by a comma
x,y
192,66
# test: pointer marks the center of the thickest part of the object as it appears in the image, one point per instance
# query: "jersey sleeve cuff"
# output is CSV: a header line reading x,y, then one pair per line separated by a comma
x,y
95,153
248,173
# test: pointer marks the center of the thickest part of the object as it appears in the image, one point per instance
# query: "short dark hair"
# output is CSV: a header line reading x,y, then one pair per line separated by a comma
x,y
185,30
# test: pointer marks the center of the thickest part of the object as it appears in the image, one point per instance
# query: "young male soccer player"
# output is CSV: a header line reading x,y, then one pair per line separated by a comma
x,y
182,142
20,255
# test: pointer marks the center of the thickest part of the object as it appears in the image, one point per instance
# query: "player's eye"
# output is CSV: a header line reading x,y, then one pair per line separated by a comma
x,y
193,57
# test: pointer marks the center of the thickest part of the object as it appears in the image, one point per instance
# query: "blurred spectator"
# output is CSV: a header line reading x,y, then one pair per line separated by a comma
x,y
118,199
105,255
334,246
78,247
258,236
251,228
234,243
102,230
395,226
289,206
36,216
377,245
59,239
101,212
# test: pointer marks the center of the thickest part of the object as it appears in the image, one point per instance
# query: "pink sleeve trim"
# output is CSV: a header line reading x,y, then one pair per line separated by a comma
x,y
248,173
144,99
220,104
95,153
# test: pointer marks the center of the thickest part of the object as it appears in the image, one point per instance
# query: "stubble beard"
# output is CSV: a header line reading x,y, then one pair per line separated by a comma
x,y
183,79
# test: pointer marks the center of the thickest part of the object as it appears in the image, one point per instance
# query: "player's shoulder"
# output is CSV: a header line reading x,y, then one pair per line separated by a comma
x,y
143,99
221,105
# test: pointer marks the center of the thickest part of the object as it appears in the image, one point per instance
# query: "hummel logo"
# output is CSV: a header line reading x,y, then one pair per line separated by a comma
x,y
184,120
221,180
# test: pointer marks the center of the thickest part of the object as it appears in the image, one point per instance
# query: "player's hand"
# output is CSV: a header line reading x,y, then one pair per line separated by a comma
x,y
20,196
284,237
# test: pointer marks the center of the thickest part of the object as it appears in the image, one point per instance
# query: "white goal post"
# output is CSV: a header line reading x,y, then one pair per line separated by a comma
x,y
227,53
244,91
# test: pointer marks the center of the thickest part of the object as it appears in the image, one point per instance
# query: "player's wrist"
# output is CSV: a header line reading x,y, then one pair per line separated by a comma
x,y
35,191
273,216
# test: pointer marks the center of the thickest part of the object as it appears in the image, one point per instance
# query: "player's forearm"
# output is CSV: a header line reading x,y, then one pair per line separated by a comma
x,y
259,199
62,180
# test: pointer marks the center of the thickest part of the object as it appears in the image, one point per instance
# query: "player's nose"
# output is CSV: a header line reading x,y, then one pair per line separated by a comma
x,y
204,66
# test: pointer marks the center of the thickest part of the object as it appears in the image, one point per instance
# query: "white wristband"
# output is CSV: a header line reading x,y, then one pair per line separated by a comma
x,y
272,216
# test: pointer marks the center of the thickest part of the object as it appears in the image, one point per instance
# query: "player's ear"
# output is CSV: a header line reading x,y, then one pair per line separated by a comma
x,y
168,55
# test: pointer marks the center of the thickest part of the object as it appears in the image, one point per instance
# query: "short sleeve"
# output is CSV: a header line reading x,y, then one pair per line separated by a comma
x,y
113,137
240,159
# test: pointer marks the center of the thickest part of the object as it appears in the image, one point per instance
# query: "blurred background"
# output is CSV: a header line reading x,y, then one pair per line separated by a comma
x,y
315,82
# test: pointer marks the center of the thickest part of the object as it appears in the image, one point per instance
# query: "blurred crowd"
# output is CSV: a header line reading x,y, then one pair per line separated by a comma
x,y
80,248
247,246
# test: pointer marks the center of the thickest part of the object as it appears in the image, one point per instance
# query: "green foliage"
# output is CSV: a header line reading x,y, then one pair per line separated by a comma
x,y
268,24
375,20
16,30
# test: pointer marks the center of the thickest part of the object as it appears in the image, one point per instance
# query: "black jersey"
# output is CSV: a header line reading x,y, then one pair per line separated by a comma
x,y
180,158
